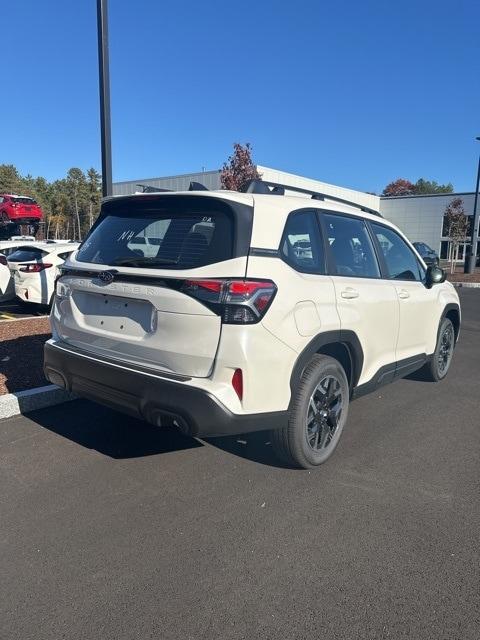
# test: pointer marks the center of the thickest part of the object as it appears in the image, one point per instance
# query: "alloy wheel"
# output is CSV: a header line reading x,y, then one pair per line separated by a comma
x,y
446,349
324,412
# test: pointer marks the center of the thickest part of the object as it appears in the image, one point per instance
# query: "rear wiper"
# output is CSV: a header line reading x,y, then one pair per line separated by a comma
x,y
132,262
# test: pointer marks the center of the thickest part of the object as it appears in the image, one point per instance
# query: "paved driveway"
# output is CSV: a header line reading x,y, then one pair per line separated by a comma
x,y
112,529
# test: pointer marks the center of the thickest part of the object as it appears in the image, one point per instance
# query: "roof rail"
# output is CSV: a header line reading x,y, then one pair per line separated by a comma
x,y
277,189
146,188
193,186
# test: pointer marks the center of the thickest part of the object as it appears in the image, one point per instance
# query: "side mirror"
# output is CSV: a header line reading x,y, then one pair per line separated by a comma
x,y
435,275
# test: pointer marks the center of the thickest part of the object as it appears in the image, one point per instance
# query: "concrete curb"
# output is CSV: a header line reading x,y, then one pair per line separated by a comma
x,y
467,285
14,404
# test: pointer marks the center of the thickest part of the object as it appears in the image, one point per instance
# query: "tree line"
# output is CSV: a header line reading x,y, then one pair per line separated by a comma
x,y
70,205
403,187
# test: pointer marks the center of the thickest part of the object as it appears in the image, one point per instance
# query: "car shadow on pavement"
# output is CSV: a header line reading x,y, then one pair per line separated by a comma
x,y
120,436
112,434
419,376
256,447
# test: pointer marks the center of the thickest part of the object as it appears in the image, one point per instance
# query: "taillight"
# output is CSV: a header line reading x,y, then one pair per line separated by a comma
x,y
34,268
3,261
236,301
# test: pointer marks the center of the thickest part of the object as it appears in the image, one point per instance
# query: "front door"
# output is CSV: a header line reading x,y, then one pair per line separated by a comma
x,y
418,317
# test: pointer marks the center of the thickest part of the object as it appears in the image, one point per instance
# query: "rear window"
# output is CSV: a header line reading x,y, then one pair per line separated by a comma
x,y
171,234
24,200
26,255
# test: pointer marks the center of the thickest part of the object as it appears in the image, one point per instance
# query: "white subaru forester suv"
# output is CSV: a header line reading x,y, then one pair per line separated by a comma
x,y
259,310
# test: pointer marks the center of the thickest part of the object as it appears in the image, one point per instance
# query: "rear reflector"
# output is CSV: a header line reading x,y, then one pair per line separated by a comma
x,y
237,383
236,301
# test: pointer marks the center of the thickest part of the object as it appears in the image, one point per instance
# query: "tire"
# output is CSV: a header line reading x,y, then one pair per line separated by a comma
x,y
439,364
318,412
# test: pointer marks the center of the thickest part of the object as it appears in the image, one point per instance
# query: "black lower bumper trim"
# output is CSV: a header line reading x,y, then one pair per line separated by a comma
x,y
152,398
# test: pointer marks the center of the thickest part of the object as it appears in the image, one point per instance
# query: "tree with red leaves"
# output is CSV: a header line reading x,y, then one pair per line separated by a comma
x,y
400,187
239,168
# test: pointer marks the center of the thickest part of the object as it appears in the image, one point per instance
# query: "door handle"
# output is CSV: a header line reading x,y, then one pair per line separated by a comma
x,y
403,294
349,293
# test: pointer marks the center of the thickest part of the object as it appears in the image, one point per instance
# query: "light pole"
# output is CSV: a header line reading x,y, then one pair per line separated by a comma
x,y
471,259
104,84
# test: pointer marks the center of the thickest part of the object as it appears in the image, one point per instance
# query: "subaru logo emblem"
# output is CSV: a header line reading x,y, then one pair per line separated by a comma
x,y
106,277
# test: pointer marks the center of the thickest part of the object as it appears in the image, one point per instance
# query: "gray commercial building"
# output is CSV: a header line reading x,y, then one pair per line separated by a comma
x,y
421,218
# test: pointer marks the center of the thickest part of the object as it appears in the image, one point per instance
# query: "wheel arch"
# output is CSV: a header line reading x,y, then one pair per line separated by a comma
x,y
344,346
452,312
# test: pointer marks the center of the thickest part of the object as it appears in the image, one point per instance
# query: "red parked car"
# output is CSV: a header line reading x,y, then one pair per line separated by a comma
x,y
19,210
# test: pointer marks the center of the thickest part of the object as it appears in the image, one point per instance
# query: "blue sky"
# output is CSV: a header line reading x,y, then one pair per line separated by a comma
x,y
353,93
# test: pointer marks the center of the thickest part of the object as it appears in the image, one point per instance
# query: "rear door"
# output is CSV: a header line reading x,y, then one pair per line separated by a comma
x,y
140,309
367,305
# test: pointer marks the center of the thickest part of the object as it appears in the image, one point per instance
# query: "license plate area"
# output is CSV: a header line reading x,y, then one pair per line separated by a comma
x,y
115,314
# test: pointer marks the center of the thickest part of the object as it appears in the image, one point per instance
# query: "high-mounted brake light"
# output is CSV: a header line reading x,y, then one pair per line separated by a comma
x,y
236,301
34,268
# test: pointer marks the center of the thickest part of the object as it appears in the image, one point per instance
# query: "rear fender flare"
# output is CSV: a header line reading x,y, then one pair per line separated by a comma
x,y
348,339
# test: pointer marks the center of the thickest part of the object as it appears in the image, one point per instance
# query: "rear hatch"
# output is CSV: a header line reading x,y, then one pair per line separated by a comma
x,y
27,255
26,208
126,294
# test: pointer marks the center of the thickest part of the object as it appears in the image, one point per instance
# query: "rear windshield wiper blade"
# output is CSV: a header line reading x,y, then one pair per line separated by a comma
x,y
144,260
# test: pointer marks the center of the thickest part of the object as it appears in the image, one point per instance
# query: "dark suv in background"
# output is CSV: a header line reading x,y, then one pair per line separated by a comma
x,y
430,257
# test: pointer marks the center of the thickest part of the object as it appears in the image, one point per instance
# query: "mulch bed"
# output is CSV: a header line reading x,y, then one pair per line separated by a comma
x,y
459,276
21,354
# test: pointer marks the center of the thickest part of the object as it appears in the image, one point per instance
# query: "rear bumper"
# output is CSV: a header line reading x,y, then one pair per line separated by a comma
x,y
148,396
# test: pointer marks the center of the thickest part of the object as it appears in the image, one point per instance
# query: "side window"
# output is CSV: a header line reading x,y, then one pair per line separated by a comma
x,y
301,245
351,247
399,258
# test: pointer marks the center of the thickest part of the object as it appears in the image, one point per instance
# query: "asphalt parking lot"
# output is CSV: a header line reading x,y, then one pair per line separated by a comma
x,y
12,310
110,528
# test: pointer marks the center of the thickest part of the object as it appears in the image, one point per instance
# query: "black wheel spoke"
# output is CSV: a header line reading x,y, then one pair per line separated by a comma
x,y
324,412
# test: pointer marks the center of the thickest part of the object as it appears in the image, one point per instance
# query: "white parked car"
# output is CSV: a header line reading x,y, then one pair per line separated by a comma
x,y
6,248
257,311
7,292
34,268
23,238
